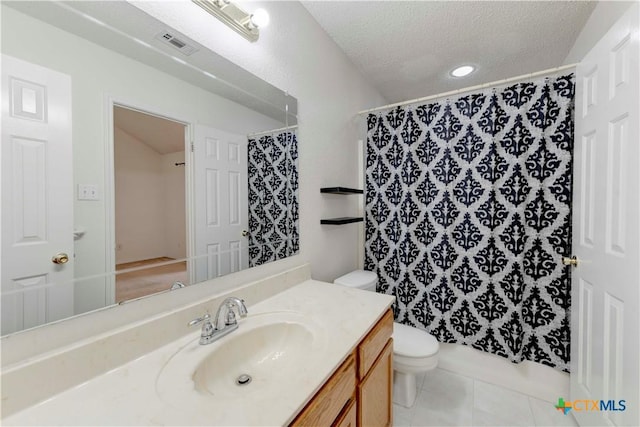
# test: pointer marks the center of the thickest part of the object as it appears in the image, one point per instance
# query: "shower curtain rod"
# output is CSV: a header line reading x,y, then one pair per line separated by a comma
x,y
470,88
272,131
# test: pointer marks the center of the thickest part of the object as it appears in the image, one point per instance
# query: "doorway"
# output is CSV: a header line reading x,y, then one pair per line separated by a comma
x,y
150,174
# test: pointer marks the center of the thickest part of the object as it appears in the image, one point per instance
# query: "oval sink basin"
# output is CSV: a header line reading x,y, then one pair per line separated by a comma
x,y
262,355
273,349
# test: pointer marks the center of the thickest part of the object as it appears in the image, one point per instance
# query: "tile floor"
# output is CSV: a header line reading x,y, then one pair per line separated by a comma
x,y
448,399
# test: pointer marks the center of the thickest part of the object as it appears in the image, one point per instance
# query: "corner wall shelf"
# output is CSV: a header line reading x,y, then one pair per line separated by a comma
x,y
346,219
342,220
341,190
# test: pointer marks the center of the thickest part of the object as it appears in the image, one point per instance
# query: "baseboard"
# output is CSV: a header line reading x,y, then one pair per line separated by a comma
x,y
530,378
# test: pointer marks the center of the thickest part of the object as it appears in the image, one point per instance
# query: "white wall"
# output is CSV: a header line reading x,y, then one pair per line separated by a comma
x,y
150,201
173,205
296,55
605,14
139,196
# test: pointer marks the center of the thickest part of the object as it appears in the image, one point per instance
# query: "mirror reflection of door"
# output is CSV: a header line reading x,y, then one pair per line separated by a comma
x,y
221,203
150,204
37,193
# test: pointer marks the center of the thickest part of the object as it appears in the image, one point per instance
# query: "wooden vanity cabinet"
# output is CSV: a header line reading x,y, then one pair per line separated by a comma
x,y
375,375
349,416
359,391
375,406
334,396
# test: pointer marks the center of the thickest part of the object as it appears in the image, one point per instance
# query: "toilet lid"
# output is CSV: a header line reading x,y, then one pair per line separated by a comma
x,y
357,279
412,342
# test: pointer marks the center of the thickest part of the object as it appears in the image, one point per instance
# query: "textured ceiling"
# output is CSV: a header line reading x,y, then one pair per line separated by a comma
x,y
406,49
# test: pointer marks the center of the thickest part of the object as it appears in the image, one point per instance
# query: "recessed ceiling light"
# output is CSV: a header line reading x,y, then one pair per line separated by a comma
x,y
462,71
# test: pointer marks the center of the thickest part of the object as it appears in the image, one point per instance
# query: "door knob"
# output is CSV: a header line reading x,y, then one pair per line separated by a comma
x,y
570,261
245,233
60,258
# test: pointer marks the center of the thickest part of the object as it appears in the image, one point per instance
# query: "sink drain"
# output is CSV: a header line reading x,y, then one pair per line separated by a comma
x,y
243,379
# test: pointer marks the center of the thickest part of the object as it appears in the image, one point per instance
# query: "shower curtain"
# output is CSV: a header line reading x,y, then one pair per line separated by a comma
x,y
273,196
468,213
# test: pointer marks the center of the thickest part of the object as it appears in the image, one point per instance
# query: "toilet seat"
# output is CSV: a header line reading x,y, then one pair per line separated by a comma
x,y
413,342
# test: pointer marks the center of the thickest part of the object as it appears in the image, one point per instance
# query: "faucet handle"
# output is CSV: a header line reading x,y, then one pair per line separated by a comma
x,y
206,335
231,316
199,320
242,309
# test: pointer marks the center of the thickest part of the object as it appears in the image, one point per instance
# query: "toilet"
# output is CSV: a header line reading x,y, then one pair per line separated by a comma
x,y
414,351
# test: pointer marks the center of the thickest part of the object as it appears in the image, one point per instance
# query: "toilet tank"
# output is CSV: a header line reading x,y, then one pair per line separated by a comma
x,y
360,279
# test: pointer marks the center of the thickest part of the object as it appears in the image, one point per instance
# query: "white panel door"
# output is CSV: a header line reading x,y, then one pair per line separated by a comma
x,y
37,195
605,337
221,202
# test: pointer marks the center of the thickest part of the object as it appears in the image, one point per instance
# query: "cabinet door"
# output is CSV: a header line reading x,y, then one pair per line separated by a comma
x,y
374,392
372,345
348,418
328,403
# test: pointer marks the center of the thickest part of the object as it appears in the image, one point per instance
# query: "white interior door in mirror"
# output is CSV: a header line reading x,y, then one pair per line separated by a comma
x,y
220,200
606,229
37,196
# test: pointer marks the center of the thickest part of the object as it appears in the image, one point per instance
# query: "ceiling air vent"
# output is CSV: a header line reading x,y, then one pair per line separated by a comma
x,y
176,43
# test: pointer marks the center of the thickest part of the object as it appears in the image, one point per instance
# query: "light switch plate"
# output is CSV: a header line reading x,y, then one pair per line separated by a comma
x,y
88,192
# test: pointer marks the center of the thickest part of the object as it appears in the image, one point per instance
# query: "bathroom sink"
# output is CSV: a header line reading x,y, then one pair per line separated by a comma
x,y
268,351
253,360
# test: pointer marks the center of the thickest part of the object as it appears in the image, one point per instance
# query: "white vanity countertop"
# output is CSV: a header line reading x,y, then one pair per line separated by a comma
x,y
129,394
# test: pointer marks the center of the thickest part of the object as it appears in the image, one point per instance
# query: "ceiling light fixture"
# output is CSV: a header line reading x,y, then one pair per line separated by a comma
x,y
236,18
462,71
259,18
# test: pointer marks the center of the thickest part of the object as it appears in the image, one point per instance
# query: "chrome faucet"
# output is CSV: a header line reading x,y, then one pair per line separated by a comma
x,y
177,285
230,318
223,326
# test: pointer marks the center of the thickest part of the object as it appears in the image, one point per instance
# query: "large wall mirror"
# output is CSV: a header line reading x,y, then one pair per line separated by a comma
x,y
134,160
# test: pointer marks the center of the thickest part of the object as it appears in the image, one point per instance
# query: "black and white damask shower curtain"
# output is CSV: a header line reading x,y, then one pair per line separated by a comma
x,y
273,197
468,212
